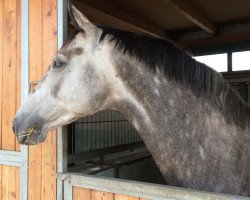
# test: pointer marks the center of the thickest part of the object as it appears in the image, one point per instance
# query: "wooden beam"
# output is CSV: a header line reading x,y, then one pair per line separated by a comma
x,y
132,20
216,40
187,10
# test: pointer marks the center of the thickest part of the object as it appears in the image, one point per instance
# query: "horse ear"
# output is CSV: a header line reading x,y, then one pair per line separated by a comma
x,y
79,20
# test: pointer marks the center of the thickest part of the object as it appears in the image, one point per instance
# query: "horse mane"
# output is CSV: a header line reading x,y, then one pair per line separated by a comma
x,y
181,67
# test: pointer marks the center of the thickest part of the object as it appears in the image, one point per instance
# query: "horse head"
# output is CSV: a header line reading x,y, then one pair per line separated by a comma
x,y
75,84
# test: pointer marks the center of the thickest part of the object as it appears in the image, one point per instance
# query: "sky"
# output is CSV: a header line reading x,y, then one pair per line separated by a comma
x,y
240,61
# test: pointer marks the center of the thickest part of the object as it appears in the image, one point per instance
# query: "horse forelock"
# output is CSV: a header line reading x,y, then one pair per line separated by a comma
x,y
70,38
177,65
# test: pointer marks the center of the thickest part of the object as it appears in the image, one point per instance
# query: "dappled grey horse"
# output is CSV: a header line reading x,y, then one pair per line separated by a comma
x,y
195,126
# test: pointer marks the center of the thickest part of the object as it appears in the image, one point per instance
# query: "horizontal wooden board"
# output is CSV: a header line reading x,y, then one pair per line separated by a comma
x,y
81,194
99,195
89,194
125,197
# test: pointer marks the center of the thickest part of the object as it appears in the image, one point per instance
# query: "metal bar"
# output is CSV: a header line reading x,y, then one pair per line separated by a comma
x,y
62,131
116,171
25,57
62,22
229,61
24,93
91,132
62,149
100,152
59,189
10,163
105,129
61,158
139,189
106,122
12,158
24,180
102,125
10,153
124,129
118,130
99,132
67,190
74,144
85,144
236,74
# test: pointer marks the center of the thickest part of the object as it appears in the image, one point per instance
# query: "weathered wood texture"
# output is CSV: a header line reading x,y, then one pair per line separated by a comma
x,y
10,24
10,45
43,45
9,183
190,12
88,194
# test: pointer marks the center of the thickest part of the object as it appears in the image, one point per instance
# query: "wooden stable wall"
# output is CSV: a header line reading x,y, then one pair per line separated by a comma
x,y
88,194
42,158
42,165
9,182
10,70
42,47
10,24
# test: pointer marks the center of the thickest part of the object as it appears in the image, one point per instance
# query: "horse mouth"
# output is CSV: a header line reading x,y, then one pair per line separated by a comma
x,y
23,139
31,136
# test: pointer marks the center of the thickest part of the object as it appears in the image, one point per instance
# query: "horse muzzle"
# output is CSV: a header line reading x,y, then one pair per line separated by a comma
x,y
28,132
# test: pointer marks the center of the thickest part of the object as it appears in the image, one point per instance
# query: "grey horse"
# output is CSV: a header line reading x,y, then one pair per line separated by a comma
x,y
194,125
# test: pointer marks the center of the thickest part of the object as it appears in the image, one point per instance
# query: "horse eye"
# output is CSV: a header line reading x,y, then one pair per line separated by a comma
x,y
57,63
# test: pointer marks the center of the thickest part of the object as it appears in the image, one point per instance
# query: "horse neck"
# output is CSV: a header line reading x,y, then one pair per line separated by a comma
x,y
171,120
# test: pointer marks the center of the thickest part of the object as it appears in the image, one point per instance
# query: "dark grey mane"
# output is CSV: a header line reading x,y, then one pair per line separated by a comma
x,y
179,66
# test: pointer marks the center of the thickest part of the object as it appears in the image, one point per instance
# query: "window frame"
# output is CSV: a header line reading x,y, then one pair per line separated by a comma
x,y
229,60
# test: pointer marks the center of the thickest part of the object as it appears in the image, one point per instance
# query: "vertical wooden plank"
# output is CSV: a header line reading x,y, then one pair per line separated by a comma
x,y
10,59
1,182
17,186
124,197
1,67
11,182
81,194
43,45
9,71
35,39
18,67
99,195
9,48
9,190
49,146
35,61
5,183
49,32
49,167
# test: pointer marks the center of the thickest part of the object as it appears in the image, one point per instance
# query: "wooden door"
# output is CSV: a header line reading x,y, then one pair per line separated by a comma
x,y
42,46
28,40
10,52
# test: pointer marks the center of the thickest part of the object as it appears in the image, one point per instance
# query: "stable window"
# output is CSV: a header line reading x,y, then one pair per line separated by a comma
x,y
241,60
105,144
227,62
215,61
